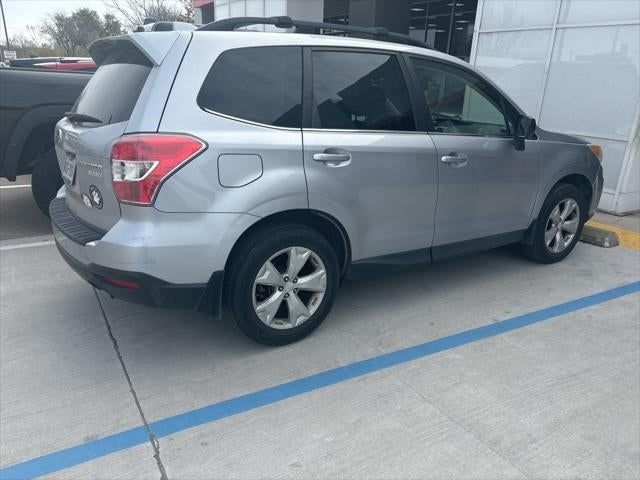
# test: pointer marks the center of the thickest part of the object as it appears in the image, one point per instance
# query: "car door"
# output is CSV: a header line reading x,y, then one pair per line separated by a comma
x,y
486,187
366,163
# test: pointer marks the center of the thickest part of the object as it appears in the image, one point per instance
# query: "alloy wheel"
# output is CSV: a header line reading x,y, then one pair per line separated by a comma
x,y
562,225
289,288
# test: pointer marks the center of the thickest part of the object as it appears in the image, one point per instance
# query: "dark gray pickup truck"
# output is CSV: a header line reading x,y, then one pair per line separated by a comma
x,y
31,102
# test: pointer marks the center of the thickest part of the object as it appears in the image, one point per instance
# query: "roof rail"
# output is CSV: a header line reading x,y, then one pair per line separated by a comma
x,y
304,26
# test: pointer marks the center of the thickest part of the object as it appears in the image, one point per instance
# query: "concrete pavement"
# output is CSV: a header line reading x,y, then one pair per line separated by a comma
x,y
19,214
556,399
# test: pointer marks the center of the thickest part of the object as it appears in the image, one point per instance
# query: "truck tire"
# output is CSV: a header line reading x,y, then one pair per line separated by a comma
x,y
46,179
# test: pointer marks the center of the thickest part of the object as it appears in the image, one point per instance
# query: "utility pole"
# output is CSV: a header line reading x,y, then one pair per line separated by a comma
x,y
6,33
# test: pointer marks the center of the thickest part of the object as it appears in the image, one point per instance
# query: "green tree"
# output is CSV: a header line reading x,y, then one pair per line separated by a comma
x,y
73,33
111,25
134,12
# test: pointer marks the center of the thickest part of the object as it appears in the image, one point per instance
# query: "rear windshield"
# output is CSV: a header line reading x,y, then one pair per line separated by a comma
x,y
114,89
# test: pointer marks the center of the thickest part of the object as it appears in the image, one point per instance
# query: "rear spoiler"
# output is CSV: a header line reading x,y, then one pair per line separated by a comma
x,y
154,45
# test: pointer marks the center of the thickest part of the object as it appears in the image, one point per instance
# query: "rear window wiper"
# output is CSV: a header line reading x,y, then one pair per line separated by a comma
x,y
81,117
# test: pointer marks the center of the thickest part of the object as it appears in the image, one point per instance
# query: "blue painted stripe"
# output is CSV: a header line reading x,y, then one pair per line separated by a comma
x,y
72,456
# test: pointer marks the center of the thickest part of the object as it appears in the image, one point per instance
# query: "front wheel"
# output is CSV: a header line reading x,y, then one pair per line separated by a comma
x,y
283,283
559,225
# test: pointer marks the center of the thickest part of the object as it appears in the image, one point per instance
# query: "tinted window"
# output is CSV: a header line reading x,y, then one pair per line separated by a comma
x,y
360,91
262,84
459,101
114,89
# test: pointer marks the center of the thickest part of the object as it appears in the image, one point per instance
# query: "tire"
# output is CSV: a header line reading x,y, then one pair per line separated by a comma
x,y
246,295
46,179
539,251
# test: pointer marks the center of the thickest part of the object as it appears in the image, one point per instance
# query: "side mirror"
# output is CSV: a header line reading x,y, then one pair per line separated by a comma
x,y
525,129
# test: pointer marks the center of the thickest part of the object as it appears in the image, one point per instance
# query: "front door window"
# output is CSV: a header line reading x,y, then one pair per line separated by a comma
x,y
460,102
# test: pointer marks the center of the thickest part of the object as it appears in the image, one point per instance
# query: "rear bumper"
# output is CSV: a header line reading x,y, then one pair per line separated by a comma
x,y
150,291
76,241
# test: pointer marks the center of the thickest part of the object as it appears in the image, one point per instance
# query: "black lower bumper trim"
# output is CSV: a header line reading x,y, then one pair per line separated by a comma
x,y
152,291
73,228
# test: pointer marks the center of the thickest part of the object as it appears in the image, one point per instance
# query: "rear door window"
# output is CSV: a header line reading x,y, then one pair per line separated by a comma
x,y
261,84
114,88
360,91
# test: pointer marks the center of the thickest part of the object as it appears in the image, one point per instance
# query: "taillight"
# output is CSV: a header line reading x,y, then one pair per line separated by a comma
x,y
141,163
596,150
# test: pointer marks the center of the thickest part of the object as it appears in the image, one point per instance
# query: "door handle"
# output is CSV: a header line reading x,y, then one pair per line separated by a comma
x,y
333,159
456,160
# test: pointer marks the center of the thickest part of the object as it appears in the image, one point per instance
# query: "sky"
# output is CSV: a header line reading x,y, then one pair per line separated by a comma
x,y
20,13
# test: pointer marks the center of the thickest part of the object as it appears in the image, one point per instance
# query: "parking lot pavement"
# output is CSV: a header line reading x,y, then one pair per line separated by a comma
x,y
531,403
19,214
60,380
559,398
555,399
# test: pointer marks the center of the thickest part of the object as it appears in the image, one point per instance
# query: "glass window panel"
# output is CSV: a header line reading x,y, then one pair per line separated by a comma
x,y
262,84
612,156
516,61
460,103
255,8
274,8
237,8
115,87
593,84
518,13
418,19
221,10
583,11
364,91
633,179
438,24
462,34
207,13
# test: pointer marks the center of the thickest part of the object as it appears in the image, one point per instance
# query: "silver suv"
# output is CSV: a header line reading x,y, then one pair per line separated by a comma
x,y
265,168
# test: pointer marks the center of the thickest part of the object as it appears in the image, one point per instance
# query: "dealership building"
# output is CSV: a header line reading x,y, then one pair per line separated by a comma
x,y
571,64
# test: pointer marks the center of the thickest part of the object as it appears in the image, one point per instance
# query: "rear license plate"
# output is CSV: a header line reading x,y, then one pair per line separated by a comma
x,y
69,169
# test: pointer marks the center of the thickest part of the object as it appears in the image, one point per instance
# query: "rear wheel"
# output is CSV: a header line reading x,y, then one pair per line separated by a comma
x,y
46,179
283,284
559,225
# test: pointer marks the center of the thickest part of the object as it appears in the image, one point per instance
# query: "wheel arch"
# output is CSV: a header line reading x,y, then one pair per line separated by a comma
x,y
37,124
578,180
581,182
322,222
36,143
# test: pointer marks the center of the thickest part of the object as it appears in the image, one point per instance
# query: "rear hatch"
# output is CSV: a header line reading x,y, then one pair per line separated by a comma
x,y
100,115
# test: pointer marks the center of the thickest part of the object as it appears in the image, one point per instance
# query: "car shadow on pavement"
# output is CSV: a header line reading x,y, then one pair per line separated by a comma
x,y
162,335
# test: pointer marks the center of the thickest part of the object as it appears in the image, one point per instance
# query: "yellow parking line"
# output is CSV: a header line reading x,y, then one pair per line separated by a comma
x,y
627,238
